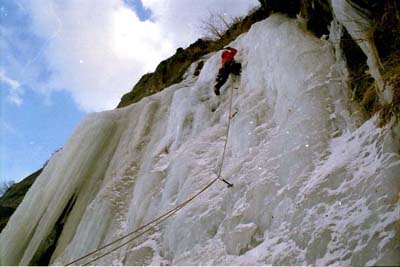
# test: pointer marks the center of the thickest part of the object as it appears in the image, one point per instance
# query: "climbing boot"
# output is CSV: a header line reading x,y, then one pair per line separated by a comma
x,y
216,91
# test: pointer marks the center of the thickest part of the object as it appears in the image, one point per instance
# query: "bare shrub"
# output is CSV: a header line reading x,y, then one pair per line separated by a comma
x,y
4,186
217,24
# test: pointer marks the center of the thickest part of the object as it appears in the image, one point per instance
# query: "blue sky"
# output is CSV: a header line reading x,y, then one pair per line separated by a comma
x,y
33,125
142,12
61,59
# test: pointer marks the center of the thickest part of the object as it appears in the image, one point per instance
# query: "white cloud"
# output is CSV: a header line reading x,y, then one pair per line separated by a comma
x,y
181,19
98,49
14,90
10,82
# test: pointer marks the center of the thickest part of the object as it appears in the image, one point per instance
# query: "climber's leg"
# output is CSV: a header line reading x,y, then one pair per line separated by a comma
x,y
223,75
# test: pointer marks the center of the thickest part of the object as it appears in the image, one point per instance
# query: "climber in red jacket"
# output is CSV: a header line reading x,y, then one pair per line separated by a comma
x,y
228,66
228,55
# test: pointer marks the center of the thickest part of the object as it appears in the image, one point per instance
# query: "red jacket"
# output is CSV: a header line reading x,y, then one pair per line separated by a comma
x,y
228,56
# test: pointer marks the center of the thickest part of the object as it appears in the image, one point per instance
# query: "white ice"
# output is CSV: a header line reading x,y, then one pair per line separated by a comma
x,y
314,183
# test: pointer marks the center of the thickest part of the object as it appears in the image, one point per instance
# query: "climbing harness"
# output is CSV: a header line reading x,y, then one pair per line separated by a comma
x,y
151,225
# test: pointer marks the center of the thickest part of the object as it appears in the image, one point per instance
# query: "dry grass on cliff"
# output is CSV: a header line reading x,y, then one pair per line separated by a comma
x,y
388,42
392,79
387,39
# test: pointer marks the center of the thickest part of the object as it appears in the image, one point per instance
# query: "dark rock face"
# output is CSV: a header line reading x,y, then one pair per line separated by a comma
x,y
289,7
317,13
14,196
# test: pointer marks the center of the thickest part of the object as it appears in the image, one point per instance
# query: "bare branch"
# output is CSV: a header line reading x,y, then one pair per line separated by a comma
x,y
4,186
216,24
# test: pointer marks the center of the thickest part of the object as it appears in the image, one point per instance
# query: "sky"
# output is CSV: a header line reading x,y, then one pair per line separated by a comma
x,y
62,59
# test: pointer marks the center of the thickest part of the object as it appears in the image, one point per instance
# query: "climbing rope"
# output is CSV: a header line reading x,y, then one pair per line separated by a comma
x,y
169,213
156,222
226,139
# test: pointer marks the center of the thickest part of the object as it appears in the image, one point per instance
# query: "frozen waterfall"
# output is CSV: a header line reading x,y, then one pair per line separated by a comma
x,y
314,182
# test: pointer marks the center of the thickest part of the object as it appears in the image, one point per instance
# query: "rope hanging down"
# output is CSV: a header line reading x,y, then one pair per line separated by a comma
x,y
169,213
230,116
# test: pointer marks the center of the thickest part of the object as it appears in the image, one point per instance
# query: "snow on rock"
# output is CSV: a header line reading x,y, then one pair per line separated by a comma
x,y
311,184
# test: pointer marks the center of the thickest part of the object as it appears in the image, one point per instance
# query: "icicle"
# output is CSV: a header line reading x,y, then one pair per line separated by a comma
x,y
360,27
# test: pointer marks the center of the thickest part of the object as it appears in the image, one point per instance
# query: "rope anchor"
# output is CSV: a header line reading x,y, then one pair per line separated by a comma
x,y
234,114
228,183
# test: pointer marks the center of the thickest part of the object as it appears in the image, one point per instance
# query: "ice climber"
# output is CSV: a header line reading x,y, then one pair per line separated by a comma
x,y
229,65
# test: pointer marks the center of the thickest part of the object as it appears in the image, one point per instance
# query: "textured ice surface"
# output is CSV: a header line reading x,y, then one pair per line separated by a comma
x,y
314,184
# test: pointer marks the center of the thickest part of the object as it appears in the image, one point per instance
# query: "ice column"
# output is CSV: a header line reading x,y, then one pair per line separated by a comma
x,y
360,27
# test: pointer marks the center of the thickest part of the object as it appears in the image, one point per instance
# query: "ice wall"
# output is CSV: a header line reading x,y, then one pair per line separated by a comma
x,y
314,184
